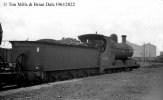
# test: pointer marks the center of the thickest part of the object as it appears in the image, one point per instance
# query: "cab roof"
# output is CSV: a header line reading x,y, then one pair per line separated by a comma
x,y
91,36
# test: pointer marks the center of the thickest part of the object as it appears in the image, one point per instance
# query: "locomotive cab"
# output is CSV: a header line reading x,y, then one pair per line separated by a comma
x,y
102,43
94,40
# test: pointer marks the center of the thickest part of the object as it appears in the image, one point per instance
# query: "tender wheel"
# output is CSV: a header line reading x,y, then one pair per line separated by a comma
x,y
1,87
20,81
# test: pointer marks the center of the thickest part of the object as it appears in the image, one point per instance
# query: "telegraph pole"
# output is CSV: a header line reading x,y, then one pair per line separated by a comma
x,y
144,52
1,32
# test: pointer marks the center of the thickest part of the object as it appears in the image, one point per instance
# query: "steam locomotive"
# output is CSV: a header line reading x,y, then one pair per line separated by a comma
x,y
48,61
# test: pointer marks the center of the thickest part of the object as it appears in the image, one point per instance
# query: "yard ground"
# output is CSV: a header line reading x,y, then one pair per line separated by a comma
x,y
145,83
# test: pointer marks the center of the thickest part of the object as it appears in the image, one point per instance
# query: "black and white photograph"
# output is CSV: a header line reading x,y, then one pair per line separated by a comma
x,y
81,49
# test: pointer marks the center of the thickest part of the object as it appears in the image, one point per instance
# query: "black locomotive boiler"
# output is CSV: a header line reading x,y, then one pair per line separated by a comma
x,y
53,61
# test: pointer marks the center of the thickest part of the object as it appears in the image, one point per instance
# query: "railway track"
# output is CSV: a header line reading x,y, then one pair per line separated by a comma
x,y
14,86
135,84
11,87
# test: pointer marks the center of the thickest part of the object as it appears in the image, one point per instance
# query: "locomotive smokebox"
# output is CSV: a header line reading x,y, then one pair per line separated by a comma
x,y
1,31
124,38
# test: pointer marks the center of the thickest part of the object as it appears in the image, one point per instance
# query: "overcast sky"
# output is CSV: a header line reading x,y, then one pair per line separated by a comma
x,y
140,20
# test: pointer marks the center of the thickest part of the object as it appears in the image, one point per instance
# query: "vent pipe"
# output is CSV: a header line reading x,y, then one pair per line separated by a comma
x,y
124,38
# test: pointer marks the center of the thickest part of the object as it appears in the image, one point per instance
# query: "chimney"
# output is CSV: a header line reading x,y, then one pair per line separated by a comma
x,y
124,38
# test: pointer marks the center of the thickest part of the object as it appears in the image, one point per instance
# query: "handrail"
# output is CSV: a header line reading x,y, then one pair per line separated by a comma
x,y
20,63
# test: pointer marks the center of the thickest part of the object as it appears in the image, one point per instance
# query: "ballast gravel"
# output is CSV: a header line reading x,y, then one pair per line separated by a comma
x,y
145,83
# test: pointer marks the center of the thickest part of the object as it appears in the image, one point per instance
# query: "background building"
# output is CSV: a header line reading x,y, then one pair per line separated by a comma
x,y
137,49
161,54
144,52
149,50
